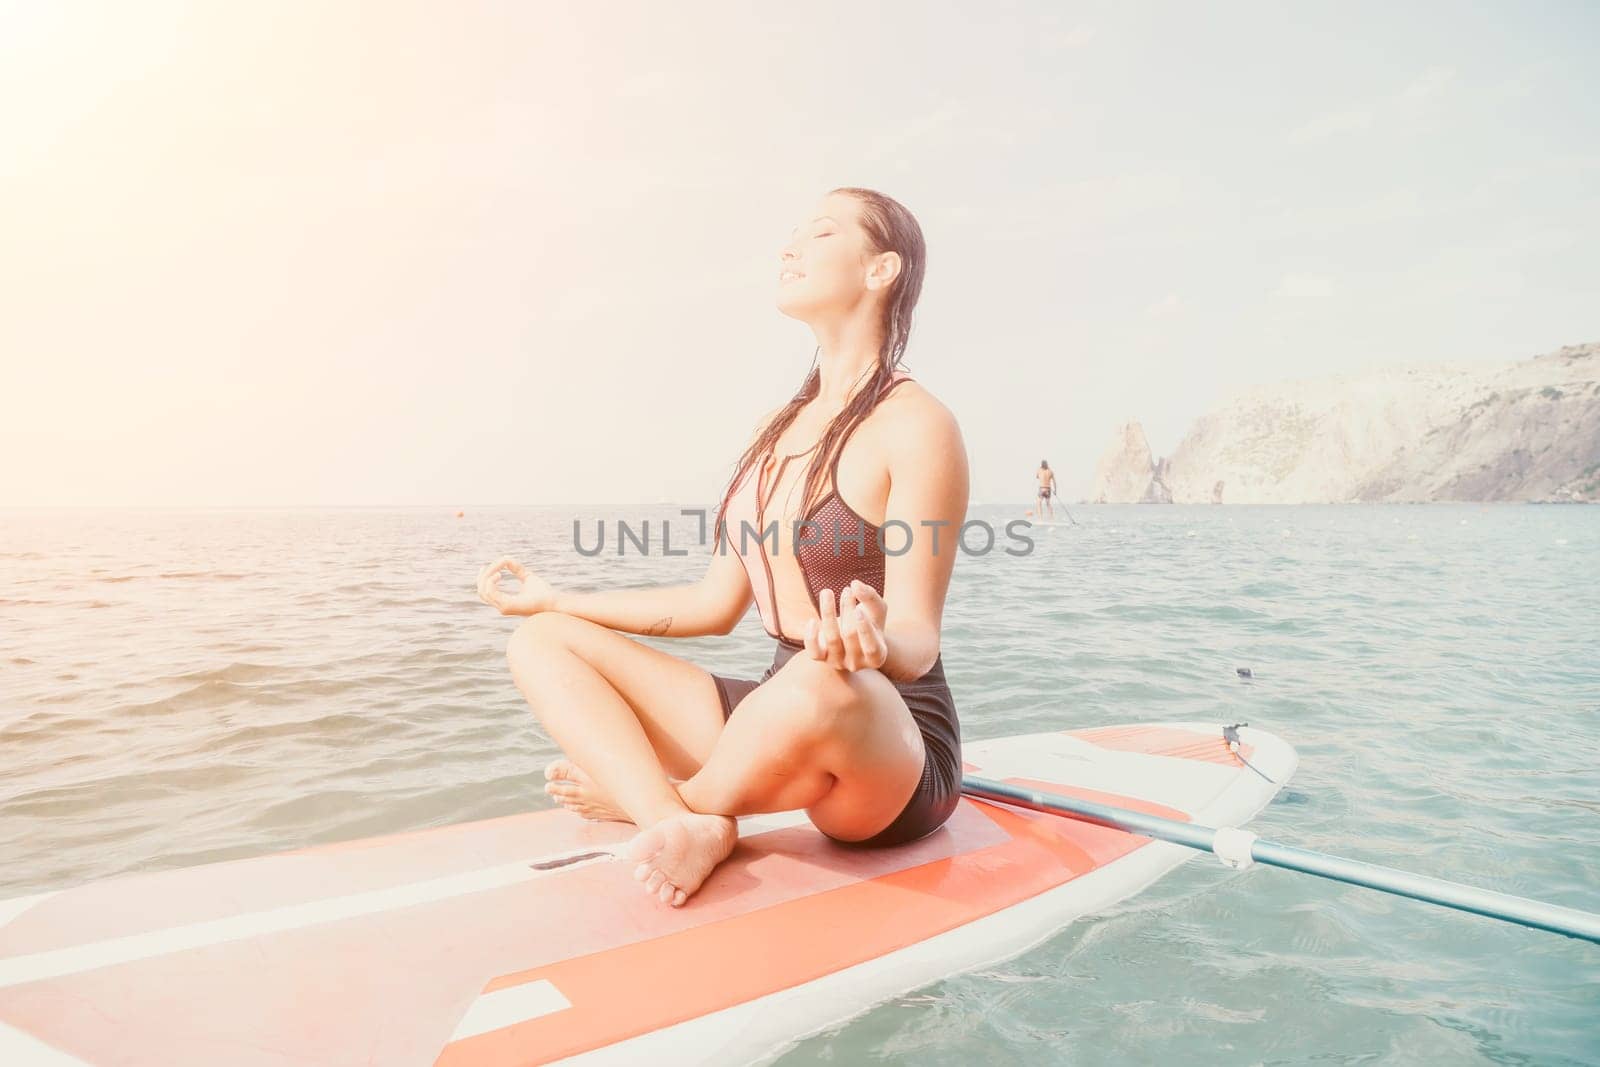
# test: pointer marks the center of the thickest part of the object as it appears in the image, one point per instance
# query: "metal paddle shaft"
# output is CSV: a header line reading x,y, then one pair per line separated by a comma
x,y
1239,847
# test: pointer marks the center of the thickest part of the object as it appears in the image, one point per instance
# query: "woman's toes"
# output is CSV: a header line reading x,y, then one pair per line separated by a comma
x,y
561,770
680,852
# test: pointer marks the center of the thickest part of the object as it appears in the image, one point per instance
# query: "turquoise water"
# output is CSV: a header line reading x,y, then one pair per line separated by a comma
x,y
183,687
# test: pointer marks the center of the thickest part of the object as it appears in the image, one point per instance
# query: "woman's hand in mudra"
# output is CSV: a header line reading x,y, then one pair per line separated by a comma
x,y
533,595
850,638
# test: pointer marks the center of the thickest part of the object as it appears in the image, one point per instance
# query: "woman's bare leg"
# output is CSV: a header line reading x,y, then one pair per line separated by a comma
x,y
627,714
841,745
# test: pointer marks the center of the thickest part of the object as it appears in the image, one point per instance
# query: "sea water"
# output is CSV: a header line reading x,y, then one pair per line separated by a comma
x,y
181,687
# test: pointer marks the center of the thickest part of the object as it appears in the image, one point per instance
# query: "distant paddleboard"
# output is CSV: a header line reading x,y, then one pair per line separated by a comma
x,y
519,940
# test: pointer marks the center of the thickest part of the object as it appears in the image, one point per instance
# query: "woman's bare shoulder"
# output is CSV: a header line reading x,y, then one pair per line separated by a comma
x,y
922,446
912,415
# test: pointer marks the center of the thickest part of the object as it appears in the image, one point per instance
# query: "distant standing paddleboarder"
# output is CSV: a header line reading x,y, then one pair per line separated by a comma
x,y
1047,483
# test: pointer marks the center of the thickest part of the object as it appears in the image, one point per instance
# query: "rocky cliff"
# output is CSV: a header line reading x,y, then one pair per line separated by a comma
x,y
1528,430
1127,473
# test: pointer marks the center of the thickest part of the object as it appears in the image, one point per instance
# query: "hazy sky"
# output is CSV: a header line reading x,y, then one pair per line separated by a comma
x,y
515,253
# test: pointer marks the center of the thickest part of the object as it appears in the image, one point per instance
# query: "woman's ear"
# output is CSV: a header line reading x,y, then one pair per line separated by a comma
x,y
884,270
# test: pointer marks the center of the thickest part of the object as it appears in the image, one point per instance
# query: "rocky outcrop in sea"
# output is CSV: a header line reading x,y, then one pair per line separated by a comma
x,y
1523,431
1127,472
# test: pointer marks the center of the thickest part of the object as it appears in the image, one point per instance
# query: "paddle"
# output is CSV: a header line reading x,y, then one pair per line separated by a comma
x,y
1240,848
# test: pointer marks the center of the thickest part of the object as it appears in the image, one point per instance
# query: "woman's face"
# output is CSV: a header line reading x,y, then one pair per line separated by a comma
x,y
828,264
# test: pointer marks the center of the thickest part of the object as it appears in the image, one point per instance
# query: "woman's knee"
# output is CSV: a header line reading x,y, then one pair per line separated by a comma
x,y
810,699
548,631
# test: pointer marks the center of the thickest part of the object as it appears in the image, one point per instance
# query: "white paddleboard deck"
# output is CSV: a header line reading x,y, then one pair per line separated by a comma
x,y
519,940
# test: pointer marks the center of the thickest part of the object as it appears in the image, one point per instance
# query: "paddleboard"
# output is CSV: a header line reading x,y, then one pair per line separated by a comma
x,y
520,940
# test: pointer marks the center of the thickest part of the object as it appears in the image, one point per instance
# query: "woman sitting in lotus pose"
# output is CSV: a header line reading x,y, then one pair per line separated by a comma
x,y
864,476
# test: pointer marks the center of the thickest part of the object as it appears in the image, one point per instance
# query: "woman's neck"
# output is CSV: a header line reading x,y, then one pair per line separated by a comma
x,y
848,353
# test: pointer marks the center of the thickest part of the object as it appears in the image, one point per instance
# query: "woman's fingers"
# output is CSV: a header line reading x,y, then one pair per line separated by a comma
x,y
828,628
874,646
869,611
491,585
872,600
817,642
830,619
854,638
851,622
812,644
866,595
489,580
489,590
492,594
847,612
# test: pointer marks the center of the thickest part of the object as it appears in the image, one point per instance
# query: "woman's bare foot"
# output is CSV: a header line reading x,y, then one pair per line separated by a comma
x,y
676,854
572,787
574,790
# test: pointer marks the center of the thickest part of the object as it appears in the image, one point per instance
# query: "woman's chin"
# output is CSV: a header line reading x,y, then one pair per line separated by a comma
x,y
795,309
805,302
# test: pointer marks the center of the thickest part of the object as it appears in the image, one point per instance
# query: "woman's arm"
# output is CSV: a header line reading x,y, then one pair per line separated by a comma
x,y
928,485
713,605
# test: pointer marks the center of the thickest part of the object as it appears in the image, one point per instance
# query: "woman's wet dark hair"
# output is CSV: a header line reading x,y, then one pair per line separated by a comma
x,y
890,228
